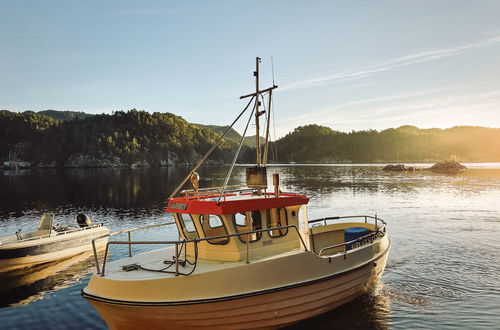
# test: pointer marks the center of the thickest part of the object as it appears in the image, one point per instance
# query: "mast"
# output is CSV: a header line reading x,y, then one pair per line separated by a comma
x,y
261,179
257,114
256,176
266,145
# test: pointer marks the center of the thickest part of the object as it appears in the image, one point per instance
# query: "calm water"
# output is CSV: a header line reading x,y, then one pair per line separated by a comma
x,y
443,269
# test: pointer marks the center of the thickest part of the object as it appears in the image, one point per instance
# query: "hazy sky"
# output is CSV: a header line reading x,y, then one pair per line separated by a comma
x,y
349,65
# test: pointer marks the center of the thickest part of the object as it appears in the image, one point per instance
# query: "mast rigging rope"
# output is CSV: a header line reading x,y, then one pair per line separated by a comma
x,y
209,151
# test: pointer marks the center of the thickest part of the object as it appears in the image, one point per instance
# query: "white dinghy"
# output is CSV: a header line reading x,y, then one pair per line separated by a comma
x,y
49,243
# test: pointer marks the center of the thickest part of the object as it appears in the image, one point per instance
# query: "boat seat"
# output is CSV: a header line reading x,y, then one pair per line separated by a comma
x,y
45,224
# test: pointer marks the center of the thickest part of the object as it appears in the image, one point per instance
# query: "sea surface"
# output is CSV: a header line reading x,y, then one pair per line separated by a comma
x,y
443,270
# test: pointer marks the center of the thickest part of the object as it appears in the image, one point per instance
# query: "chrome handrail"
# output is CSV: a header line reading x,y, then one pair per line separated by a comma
x,y
215,191
195,240
58,233
118,233
236,190
349,217
362,238
380,230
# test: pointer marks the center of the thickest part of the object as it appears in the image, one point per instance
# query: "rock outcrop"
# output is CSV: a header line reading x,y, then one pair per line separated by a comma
x,y
139,164
400,168
448,167
82,160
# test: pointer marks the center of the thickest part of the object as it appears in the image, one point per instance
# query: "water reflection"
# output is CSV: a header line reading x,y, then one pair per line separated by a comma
x,y
120,189
369,311
444,265
146,190
23,286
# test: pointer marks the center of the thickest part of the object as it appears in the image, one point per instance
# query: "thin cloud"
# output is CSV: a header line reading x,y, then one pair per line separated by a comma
x,y
406,109
31,34
418,57
389,98
152,11
479,108
141,12
322,114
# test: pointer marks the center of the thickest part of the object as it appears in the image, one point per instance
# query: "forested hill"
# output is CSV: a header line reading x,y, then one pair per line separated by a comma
x,y
64,115
232,136
120,139
319,144
160,139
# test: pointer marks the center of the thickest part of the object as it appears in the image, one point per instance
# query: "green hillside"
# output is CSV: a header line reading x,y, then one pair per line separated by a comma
x,y
106,140
64,115
158,139
319,144
232,136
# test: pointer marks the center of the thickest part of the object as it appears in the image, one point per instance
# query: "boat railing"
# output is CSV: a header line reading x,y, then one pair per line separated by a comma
x,y
365,217
58,233
230,191
215,191
380,231
179,244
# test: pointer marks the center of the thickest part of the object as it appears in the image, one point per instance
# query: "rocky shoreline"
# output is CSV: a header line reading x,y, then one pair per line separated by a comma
x,y
104,161
441,167
110,161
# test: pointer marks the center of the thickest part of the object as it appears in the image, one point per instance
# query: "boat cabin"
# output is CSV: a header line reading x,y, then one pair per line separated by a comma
x,y
227,228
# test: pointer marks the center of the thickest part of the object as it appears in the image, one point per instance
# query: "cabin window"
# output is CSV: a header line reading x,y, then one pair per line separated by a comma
x,y
214,226
277,218
248,221
187,225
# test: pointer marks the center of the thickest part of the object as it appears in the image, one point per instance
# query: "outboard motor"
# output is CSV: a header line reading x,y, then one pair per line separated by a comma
x,y
84,220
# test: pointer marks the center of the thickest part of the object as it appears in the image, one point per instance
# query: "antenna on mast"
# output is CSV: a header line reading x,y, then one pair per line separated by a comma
x,y
272,68
257,113
256,176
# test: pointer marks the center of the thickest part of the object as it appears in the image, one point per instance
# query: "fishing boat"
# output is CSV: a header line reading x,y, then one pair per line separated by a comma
x,y
246,258
49,243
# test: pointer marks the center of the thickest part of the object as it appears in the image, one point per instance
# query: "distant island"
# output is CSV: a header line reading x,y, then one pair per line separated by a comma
x,y
135,138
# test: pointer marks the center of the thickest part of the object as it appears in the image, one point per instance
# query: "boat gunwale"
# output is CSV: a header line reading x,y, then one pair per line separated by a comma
x,y
59,236
244,295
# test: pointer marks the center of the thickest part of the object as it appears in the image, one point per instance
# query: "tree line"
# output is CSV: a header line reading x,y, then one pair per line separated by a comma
x,y
130,136
133,135
319,144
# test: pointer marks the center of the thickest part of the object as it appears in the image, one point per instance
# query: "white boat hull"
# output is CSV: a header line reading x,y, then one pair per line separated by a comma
x,y
32,252
272,308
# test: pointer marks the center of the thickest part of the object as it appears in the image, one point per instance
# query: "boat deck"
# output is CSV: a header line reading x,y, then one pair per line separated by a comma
x,y
152,262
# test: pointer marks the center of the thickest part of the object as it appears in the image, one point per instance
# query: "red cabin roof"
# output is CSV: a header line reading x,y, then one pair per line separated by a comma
x,y
233,203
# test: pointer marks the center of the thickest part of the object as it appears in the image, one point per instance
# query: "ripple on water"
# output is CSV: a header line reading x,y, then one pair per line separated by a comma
x,y
443,269
419,293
